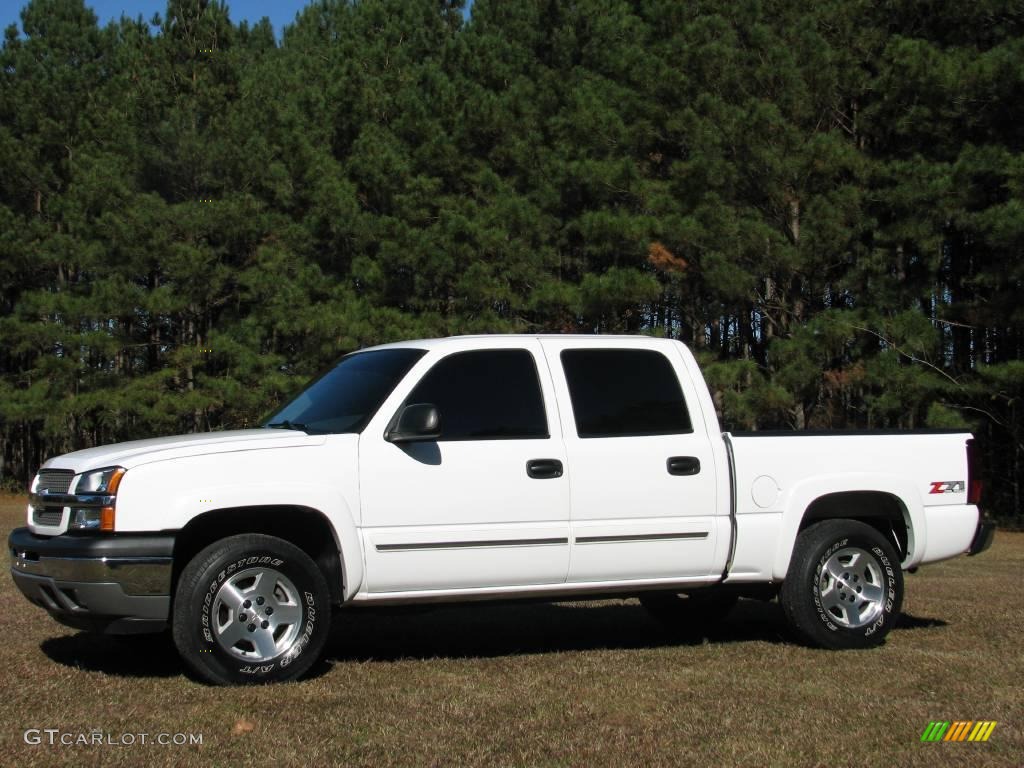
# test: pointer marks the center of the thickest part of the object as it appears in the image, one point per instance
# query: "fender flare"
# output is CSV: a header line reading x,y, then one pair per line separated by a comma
x,y
802,495
178,510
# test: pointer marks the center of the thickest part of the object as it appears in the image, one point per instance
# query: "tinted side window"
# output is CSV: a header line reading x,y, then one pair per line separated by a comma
x,y
493,394
618,392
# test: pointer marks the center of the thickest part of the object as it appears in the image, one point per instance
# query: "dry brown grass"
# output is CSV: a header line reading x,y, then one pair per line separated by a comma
x,y
586,684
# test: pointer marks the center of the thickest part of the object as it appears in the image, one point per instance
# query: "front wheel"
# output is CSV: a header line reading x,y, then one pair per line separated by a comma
x,y
844,587
251,609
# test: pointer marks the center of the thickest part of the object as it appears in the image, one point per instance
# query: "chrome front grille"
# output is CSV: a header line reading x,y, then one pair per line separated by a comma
x,y
47,515
54,480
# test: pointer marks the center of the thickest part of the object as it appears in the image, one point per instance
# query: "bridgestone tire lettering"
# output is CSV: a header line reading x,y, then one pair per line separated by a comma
x,y
800,596
194,626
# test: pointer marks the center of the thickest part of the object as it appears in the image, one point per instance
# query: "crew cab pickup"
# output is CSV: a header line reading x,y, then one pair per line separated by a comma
x,y
489,467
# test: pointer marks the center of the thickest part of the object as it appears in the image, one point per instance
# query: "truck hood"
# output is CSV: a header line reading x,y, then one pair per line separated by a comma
x,y
138,452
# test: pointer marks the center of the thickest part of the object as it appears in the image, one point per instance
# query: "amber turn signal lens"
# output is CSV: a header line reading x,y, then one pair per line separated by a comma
x,y
115,480
107,519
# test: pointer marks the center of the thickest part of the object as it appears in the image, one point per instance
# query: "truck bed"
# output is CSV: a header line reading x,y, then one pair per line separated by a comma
x,y
923,472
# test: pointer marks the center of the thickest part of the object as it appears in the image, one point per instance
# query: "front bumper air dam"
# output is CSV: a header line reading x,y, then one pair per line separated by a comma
x,y
118,584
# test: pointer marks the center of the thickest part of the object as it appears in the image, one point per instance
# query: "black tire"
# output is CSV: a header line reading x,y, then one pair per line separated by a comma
x,y
259,569
690,613
810,593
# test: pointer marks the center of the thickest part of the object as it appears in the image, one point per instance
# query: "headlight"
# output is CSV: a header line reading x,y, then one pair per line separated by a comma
x,y
91,518
102,481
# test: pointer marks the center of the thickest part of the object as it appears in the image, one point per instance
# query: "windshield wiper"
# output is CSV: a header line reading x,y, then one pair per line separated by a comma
x,y
288,425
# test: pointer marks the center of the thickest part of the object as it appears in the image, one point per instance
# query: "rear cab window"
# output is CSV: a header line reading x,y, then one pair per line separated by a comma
x,y
624,393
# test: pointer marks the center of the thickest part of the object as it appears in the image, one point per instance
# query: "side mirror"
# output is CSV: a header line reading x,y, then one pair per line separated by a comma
x,y
417,422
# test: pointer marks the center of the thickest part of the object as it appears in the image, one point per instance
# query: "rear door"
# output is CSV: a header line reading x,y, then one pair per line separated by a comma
x,y
486,505
642,478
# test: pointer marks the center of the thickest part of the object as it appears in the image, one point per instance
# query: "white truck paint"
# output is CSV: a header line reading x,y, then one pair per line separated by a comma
x,y
457,519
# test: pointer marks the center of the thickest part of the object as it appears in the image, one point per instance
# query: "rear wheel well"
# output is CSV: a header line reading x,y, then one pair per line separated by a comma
x,y
306,528
882,511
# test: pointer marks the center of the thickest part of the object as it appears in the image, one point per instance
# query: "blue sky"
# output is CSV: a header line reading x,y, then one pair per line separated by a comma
x,y
280,12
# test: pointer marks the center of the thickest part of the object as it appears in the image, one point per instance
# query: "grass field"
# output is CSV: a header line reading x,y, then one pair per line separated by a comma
x,y
584,684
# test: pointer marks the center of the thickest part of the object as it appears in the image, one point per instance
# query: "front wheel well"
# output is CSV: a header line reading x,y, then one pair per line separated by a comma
x,y
882,511
306,528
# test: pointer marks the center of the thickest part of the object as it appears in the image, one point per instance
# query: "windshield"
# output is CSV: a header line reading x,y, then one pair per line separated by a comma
x,y
345,398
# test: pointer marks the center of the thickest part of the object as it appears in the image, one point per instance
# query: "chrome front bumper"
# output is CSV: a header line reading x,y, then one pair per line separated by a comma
x,y
115,584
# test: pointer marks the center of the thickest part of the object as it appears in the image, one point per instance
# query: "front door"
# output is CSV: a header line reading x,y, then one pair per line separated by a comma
x,y
485,506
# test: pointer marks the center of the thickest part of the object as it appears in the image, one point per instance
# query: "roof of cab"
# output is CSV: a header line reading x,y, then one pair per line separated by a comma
x,y
591,337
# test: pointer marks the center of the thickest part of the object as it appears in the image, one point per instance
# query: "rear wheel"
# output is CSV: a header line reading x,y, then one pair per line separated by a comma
x,y
844,587
251,609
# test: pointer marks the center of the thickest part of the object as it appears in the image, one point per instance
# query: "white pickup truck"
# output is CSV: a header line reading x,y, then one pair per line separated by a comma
x,y
488,467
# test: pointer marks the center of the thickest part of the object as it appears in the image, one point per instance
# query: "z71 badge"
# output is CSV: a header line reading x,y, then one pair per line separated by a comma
x,y
948,486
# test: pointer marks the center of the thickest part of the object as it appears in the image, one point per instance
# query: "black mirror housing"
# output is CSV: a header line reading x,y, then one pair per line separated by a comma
x,y
417,422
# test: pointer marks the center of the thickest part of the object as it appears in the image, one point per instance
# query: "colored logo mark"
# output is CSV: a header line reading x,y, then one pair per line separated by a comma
x,y
958,730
